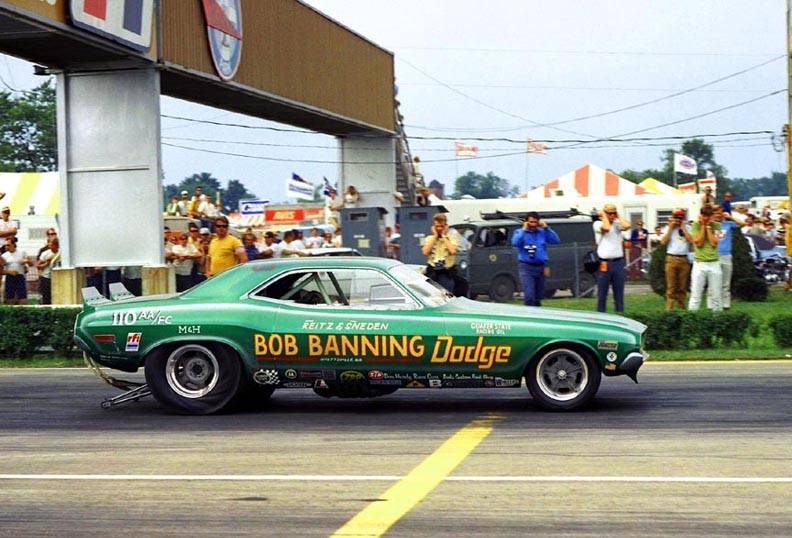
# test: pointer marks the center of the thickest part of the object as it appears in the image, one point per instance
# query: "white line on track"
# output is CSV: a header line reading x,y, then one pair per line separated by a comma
x,y
389,478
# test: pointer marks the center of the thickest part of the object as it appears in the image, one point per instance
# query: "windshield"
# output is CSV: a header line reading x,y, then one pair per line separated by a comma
x,y
429,292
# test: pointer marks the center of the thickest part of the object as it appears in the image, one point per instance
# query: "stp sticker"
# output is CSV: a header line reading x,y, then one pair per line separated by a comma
x,y
133,341
612,356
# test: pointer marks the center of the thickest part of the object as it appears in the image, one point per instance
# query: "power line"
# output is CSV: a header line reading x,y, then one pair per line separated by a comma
x,y
756,135
240,125
576,88
491,107
587,52
629,107
609,139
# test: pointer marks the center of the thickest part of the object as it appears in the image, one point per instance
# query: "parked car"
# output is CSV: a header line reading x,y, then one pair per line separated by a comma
x,y
489,262
346,327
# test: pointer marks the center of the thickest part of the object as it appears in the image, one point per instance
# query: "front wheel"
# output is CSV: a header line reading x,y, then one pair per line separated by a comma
x,y
196,379
501,289
563,379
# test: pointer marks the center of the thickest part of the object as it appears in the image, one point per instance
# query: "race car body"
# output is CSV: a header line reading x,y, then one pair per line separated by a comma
x,y
349,327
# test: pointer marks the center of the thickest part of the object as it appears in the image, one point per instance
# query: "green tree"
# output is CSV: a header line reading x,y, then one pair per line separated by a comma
x,y
478,186
28,135
231,195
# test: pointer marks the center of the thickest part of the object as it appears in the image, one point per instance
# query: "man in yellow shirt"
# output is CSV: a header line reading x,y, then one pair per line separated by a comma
x,y
440,249
225,251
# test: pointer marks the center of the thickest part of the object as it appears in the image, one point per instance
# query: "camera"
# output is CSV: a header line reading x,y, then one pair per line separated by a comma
x,y
531,250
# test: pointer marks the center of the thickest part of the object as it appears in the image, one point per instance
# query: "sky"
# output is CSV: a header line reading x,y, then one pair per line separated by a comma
x,y
467,69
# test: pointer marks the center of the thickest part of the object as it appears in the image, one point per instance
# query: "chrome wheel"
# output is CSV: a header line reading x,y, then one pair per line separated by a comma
x,y
192,371
562,375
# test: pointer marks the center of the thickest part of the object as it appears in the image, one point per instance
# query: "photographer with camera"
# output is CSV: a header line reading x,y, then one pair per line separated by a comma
x,y
610,249
440,248
531,243
706,264
677,239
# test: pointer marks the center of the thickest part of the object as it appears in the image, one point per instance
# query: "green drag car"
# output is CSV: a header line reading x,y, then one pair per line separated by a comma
x,y
352,327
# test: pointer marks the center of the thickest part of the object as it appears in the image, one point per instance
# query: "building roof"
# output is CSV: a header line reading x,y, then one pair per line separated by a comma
x,y
588,181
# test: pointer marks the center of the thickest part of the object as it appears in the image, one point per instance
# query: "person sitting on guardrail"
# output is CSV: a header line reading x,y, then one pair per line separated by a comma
x,y
677,239
531,243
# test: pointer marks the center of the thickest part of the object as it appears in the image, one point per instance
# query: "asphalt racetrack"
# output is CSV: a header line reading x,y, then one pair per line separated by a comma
x,y
693,450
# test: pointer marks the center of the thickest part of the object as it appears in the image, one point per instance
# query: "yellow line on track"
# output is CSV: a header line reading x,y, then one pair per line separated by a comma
x,y
376,518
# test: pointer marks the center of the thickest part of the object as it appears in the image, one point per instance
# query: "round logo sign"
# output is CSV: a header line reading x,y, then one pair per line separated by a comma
x,y
224,28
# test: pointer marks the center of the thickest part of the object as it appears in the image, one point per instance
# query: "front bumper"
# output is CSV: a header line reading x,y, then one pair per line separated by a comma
x,y
632,364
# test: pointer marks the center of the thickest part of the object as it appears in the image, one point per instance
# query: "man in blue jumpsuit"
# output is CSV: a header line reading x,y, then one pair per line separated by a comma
x,y
531,243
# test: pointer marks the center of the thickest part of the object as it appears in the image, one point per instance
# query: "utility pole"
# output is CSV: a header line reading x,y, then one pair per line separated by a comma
x,y
788,234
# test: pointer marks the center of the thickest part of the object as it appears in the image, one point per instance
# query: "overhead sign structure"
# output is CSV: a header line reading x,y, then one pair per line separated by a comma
x,y
253,207
128,22
224,29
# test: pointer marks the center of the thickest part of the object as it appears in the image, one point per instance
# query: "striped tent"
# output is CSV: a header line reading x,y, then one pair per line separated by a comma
x,y
655,186
588,181
36,189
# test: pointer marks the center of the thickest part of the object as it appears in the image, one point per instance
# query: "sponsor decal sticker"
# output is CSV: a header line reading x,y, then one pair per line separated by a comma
x,y
312,374
351,376
320,384
379,348
435,383
224,29
500,382
297,385
611,356
609,345
290,374
389,382
266,377
189,329
313,325
415,385
375,374
133,341
491,328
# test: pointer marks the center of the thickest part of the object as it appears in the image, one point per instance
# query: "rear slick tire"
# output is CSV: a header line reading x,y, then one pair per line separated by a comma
x,y
563,379
193,378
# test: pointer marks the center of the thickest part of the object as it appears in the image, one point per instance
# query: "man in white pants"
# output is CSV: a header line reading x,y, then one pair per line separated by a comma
x,y
706,264
725,254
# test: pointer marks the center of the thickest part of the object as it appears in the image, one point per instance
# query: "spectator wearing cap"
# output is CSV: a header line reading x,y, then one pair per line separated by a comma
x,y
333,205
727,225
225,250
15,263
183,205
677,240
610,249
531,243
46,261
270,247
706,263
7,226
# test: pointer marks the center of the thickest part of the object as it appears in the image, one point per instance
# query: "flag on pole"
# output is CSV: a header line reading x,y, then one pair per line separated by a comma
x,y
465,150
709,181
684,164
687,187
327,188
537,147
298,188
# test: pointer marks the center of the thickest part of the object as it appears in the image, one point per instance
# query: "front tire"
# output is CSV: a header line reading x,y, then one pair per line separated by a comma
x,y
196,379
563,378
501,289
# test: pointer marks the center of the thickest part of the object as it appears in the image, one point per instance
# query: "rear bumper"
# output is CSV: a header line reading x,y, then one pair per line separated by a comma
x,y
632,364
